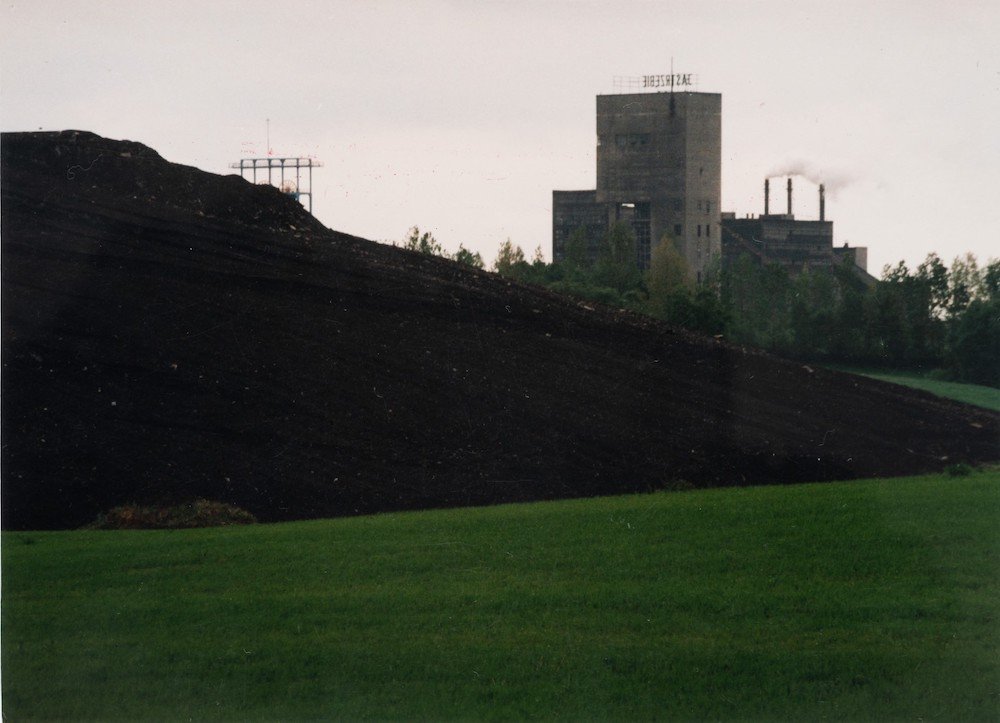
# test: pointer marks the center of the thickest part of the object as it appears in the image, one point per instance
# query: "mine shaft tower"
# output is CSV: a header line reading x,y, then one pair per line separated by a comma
x,y
659,164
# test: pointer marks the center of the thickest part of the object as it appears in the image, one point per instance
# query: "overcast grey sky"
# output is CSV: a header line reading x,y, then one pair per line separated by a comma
x,y
462,117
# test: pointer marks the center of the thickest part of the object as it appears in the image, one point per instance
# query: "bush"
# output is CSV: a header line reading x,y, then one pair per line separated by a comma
x,y
199,513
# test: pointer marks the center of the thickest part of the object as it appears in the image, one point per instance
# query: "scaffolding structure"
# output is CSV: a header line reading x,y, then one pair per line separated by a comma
x,y
654,83
282,168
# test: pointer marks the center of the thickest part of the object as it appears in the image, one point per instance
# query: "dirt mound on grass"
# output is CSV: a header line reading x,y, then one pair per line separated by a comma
x,y
169,334
197,513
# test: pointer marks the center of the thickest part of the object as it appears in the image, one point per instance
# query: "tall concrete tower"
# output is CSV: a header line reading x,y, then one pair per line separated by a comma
x,y
661,154
659,168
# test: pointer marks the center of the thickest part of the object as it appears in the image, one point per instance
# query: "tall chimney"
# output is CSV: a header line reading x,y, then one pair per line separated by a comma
x,y
789,196
767,195
822,203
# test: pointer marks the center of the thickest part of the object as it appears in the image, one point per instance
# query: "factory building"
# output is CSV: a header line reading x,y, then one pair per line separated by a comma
x,y
783,240
658,170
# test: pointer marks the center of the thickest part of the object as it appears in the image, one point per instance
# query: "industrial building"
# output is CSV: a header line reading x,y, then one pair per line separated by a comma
x,y
783,240
659,169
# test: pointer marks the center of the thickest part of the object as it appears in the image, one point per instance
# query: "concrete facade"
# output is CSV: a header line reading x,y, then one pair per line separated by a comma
x,y
574,210
659,168
779,239
783,240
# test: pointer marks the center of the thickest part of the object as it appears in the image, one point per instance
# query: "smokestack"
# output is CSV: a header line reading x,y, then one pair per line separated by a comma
x,y
822,203
789,196
767,195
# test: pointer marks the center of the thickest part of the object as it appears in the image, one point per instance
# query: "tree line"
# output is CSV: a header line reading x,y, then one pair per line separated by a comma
x,y
934,318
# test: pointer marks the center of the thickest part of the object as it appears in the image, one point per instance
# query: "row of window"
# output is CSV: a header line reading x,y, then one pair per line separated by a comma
x,y
632,141
677,204
708,230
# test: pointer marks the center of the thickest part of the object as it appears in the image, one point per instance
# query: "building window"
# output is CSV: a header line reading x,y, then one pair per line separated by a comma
x,y
708,206
677,230
699,205
708,230
699,230
631,141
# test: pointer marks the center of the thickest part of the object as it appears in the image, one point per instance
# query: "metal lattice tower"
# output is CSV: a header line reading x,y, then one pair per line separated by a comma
x,y
282,168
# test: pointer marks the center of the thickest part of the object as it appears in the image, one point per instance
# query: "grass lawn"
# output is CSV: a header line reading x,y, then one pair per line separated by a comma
x,y
861,600
976,394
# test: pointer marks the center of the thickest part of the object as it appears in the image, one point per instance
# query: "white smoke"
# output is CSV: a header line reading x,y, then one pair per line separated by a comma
x,y
832,180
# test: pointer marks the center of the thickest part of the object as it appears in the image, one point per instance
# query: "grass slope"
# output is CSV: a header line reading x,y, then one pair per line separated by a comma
x,y
872,600
975,394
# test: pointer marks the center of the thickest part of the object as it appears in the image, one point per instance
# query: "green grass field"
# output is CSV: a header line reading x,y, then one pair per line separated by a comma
x,y
860,600
976,394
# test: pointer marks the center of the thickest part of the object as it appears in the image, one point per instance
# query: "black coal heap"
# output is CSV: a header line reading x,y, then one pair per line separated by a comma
x,y
171,334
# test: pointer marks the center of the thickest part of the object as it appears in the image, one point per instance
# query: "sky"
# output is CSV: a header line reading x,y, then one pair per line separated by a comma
x,y
461,117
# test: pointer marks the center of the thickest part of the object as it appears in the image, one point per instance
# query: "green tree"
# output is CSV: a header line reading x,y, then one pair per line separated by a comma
x,y
577,258
616,263
884,317
668,283
509,257
974,343
933,273
469,258
813,313
673,296
423,243
973,340
991,280
848,343
902,321
709,314
668,270
712,273
965,283
758,300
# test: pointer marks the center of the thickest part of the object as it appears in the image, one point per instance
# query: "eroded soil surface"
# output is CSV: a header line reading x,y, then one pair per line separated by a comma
x,y
170,334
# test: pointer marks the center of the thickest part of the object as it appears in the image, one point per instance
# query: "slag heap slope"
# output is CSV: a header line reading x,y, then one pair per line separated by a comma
x,y
171,334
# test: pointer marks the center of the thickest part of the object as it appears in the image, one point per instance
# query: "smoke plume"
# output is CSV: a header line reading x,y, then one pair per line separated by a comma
x,y
832,180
